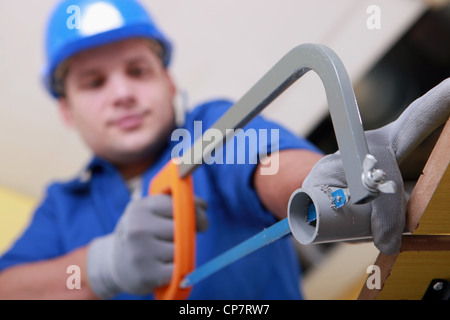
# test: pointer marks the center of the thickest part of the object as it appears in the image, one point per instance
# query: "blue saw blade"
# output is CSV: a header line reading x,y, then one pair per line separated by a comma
x,y
265,237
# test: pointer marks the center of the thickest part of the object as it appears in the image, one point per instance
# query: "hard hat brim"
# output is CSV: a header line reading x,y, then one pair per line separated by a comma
x,y
111,36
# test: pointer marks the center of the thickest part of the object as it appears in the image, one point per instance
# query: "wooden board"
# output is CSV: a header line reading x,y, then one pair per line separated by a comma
x,y
436,218
428,207
413,272
425,255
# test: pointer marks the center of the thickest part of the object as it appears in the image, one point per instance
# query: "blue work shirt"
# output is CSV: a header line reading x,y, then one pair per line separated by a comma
x,y
75,212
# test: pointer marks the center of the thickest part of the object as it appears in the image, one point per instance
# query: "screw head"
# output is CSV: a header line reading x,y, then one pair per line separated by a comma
x,y
438,286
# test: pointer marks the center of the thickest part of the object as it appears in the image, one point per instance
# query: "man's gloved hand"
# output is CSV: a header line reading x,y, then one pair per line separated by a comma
x,y
390,145
388,209
138,256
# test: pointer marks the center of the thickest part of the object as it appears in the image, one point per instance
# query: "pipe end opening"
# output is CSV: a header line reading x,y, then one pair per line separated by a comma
x,y
303,217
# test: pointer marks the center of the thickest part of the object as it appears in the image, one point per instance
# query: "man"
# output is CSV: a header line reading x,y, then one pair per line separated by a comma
x,y
112,85
111,82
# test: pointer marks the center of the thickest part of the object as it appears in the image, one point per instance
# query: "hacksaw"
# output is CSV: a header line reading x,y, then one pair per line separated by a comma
x,y
176,180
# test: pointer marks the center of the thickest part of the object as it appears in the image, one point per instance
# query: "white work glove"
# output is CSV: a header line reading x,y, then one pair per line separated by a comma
x,y
138,256
390,145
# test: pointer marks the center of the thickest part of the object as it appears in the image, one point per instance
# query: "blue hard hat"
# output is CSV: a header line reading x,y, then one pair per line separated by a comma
x,y
78,25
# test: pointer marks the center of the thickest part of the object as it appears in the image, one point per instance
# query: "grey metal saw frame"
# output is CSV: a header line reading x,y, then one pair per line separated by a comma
x,y
341,101
364,182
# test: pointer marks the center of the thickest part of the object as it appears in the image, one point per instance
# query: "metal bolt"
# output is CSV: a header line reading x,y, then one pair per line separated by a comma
x,y
373,179
377,175
438,286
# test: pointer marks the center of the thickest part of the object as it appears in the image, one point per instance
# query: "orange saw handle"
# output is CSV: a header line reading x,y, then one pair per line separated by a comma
x,y
167,181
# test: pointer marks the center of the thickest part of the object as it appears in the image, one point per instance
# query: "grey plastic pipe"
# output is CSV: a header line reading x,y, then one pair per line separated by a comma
x,y
331,224
352,221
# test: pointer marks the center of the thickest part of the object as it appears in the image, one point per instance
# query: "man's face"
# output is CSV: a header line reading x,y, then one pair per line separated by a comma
x,y
119,98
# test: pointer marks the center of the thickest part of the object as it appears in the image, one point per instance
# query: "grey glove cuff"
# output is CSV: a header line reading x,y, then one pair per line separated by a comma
x,y
421,118
100,274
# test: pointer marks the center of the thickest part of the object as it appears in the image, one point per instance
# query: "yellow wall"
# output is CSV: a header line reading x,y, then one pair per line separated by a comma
x,y
15,212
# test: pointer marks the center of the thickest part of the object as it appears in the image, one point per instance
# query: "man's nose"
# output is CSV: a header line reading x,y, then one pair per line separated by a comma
x,y
121,91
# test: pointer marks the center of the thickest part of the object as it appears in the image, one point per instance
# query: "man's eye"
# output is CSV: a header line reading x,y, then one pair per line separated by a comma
x,y
138,71
94,83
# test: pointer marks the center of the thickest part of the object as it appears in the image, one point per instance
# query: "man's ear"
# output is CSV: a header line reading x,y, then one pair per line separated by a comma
x,y
65,111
